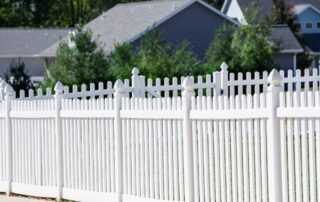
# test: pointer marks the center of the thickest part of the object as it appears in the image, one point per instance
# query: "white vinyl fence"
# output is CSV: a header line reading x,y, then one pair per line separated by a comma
x,y
218,83
262,147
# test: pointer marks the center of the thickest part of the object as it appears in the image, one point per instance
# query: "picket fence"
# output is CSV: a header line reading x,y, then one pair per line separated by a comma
x,y
217,83
263,146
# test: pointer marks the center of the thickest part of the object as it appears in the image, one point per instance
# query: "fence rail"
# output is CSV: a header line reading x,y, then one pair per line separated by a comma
x,y
217,83
247,147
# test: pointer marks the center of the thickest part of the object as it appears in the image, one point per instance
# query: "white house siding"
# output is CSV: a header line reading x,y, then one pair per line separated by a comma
x,y
34,66
235,11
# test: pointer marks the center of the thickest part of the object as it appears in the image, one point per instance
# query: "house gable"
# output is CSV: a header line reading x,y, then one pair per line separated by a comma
x,y
234,11
196,24
309,20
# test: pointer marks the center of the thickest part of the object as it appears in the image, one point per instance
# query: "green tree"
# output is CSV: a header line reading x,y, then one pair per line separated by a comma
x,y
155,57
248,48
85,62
219,50
158,58
18,77
121,61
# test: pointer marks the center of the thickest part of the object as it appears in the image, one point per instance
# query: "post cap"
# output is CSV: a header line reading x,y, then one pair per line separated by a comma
x,y
187,83
135,71
118,86
224,66
8,89
58,87
3,84
274,77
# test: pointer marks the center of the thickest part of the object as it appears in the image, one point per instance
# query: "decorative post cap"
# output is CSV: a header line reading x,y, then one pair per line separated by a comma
x,y
58,87
3,84
135,71
187,84
118,86
274,78
224,66
8,89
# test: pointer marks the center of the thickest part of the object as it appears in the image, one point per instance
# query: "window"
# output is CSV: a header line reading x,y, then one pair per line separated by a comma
x,y
318,25
309,25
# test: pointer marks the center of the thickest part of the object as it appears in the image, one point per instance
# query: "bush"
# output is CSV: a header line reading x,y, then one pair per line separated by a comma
x,y
17,77
85,62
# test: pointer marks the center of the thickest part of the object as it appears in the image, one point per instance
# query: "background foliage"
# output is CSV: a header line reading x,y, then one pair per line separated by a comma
x,y
57,13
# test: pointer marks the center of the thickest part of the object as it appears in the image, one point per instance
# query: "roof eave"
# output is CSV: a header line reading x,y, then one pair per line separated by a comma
x,y
292,51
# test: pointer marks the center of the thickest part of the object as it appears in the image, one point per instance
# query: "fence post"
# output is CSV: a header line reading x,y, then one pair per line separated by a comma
x,y
58,96
187,93
9,95
119,94
224,78
273,138
2,86
135,79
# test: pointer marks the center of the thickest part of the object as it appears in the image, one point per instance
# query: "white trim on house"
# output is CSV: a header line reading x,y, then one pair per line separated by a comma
x,y
177,11
306,7
291,51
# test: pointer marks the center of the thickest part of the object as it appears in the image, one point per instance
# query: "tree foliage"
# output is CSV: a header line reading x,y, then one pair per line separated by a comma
x,y
18,77
246,48
155,57
57,13
83,63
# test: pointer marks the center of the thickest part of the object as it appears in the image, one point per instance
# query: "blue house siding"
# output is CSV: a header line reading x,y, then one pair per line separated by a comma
x,y
285,60
195,24
309,15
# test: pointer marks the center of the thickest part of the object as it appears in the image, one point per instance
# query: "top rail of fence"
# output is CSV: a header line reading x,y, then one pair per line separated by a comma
x,y
217,83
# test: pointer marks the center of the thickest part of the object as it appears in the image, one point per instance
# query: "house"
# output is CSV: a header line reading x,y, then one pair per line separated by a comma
x,y
26,45
179,20
191,20
306,16
307,20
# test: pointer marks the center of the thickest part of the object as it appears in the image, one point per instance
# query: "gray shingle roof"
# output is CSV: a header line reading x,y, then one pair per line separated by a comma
x,y
283,34
28,42
266,5
125,21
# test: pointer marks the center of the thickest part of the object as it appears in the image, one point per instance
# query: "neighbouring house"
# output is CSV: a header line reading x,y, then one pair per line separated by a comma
x,y
178,20
191,20
306,17
26,45
307,20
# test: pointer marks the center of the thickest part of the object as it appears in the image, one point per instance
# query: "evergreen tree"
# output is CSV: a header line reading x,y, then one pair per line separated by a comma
x,y
247,49
17,77
85,62
121,61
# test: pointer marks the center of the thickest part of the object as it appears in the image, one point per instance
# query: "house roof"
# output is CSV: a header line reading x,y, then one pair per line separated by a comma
x,y
283,35
312,43
28,42
265,6
300,8
292,3
128,21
